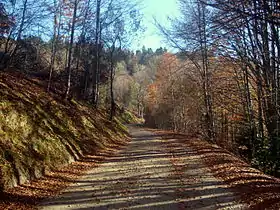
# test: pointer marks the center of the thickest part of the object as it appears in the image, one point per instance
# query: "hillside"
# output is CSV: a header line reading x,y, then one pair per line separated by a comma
x,y
40,132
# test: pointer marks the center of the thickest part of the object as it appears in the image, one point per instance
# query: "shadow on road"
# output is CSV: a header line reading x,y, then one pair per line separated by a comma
x,y
154,172
260,191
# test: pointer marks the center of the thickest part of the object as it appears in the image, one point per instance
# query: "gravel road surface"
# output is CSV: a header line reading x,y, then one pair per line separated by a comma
x,y
150,173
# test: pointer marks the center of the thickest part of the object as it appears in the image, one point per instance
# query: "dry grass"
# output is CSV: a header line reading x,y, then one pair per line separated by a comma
x,y
41,133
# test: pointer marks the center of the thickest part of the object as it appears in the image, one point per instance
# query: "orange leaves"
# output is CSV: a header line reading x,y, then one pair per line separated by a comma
x,y
236,117
167,65
151,96
158,87
165,71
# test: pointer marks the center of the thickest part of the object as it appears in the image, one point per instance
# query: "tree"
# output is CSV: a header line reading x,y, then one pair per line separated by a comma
x,y
57,14
173,99
118,26
19,33
69,60
5,21
5,26
97,58
251,31
244,37
24,16
190,34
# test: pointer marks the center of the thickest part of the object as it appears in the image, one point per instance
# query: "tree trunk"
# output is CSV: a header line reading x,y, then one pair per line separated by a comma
x,y
20,30
70,51
206,72
56,33
97,56
113,104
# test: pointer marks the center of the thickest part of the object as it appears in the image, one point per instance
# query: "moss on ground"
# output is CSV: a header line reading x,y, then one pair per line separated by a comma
x,y
39,131
127,117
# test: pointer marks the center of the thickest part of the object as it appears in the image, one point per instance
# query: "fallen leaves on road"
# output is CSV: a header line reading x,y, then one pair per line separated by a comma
x,y
255,188
27,196
260,191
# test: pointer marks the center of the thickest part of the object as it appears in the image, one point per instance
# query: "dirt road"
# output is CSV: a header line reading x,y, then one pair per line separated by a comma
x,y
151,173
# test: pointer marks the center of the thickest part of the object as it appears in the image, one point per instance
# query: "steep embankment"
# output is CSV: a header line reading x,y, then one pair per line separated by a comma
x,y
40,132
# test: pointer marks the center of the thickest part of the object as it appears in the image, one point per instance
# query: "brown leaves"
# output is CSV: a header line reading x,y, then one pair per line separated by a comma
x,y
255,188
260,191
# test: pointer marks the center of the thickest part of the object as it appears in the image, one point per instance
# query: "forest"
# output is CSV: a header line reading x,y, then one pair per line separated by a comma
x,y
220,82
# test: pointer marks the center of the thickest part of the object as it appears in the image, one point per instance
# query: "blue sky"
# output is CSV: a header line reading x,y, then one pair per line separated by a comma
x,y
159,9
